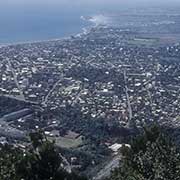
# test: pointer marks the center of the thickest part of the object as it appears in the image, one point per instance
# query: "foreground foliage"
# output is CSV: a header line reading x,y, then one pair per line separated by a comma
x,y
41,161
152,156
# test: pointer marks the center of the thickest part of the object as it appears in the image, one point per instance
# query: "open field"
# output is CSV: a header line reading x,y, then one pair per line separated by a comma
x,y
68,143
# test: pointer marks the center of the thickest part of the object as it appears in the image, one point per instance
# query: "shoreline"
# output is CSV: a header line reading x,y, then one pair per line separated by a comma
x,y
84,31
32,42
38,41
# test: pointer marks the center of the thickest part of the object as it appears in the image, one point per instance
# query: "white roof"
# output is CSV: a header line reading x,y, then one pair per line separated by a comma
x,y
115,147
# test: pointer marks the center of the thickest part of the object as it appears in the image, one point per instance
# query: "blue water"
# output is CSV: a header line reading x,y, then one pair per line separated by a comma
x,y
43,21
34,23
34,20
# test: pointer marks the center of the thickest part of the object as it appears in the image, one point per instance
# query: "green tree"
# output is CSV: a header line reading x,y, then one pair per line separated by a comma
x,y
152,156
9,156
40,161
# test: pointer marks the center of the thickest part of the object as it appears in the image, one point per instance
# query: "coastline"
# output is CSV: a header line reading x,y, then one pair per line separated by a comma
x,y
37,41
84,31
34,41
93,23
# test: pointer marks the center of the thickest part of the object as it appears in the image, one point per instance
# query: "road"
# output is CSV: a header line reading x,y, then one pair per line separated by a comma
x,y
128,100
50,92
20,99
67,164
15,79
106,171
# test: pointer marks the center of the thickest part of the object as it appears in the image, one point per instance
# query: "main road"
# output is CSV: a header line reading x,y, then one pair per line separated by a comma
x,y
15,79
128,99
51,90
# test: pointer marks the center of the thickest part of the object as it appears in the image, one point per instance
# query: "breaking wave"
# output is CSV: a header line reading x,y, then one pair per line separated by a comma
x,y
97,19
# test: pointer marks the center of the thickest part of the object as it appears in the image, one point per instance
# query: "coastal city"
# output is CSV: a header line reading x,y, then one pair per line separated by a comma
x,y
91,91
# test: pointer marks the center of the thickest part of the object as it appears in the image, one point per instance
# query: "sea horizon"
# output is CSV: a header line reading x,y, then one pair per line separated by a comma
x,y
36,23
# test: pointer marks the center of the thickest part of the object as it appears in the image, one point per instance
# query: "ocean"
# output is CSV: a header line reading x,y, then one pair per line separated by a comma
x,y
36,26
28,23
37,20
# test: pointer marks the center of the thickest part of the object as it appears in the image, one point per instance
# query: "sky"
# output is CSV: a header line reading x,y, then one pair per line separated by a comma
x,y
9,6
85,5
87,2
13,7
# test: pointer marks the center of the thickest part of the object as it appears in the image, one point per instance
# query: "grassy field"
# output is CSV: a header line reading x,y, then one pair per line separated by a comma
x,y
143,41
68,143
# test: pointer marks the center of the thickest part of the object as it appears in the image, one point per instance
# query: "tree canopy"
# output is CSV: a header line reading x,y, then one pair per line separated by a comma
x,y
152,156
40,161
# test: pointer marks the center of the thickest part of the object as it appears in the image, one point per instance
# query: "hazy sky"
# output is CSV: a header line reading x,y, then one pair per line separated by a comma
x,y
84,5
124,2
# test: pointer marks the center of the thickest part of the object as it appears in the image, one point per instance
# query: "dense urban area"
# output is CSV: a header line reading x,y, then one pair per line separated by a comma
x,y
92,91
